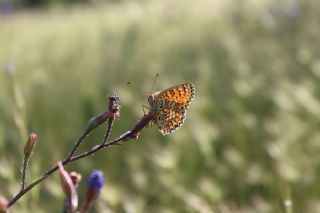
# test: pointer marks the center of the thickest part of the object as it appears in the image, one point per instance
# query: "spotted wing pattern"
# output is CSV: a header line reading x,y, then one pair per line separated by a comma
x,y
169,107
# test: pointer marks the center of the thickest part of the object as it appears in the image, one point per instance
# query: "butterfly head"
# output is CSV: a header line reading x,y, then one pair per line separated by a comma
x,y
150,98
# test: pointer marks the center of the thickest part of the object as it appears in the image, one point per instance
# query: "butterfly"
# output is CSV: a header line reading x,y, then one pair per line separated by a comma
x,y
169,107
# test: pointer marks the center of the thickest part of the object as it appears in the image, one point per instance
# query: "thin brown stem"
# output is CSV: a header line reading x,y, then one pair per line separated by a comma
x,y
108,131
85,208
92,124
127,135
114,112
24,169
111,114
55,168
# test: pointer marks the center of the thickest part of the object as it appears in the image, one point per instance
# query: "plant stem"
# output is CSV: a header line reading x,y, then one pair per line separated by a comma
x,y
93,123
127,135
24,168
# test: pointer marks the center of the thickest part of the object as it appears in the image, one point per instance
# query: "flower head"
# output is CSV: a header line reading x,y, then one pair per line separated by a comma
x,y
96,180
95,183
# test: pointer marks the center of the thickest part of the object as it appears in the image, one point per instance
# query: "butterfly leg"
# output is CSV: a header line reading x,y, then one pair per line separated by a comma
x,y
143,107
144,113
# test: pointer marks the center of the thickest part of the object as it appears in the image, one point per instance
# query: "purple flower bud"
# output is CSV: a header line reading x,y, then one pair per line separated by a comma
x,y
95,183
96,180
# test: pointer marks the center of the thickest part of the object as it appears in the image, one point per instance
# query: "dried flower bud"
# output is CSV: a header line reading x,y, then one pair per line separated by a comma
x,y
114,107
68,188
76,178
28,149
3,205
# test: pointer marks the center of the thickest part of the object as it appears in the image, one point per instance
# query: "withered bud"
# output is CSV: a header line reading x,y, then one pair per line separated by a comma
x,y
68,187
76,178
114,107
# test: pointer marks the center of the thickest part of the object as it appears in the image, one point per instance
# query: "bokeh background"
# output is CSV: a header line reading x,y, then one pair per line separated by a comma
x,y
251,139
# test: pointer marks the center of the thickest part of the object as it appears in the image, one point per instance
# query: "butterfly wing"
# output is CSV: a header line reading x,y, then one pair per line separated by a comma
x,y
170,107
182,94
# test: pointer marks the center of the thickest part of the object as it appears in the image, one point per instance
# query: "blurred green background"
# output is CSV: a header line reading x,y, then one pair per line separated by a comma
x,y
250,142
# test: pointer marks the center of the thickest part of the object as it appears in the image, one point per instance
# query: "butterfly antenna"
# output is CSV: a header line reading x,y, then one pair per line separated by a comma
x,y
128,83
154,81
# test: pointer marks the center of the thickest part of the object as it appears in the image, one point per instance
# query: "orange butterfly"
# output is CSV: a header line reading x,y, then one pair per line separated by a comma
x,y
169,107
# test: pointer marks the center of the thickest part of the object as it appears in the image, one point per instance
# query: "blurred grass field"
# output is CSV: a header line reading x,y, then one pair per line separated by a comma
x,y
250,142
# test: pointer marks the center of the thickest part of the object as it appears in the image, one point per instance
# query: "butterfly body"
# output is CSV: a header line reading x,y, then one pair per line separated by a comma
x,y
169,107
